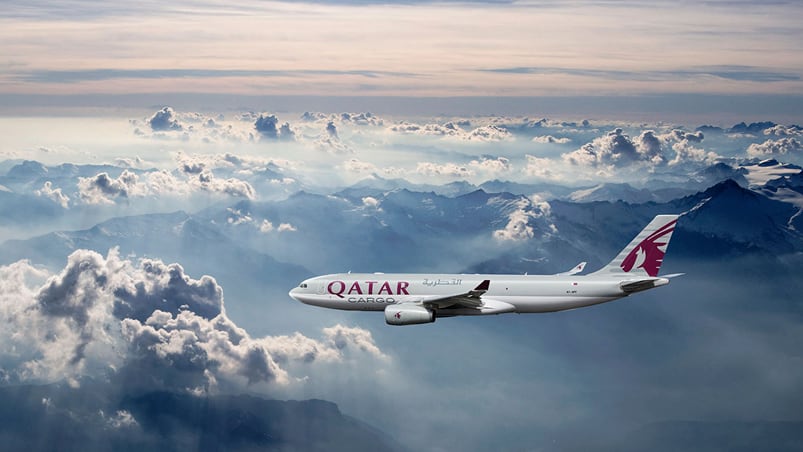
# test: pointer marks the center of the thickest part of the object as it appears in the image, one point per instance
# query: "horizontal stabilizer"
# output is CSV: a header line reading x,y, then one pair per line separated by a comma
x,y
577,269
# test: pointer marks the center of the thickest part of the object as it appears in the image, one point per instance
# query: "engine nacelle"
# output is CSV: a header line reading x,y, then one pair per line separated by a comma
x,y
408,314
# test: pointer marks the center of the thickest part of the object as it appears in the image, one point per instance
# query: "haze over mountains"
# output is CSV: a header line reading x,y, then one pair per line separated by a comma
x,y
114,327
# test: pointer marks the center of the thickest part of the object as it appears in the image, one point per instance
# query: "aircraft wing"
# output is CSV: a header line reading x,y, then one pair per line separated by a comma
x,y
470,299
577,269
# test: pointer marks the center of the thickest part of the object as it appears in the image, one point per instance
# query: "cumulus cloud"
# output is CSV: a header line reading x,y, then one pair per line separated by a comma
x,y
448,129
313,116
492,165
490,133
521,218
266,226
540,167
613,147
782,146
286,132
149,326
363,119
443,169
268,128
237,217
617,149
165,120
331,130
784,131
371,202
54,194
103,189
207,181
359,119
486,133
686,152
549,139
329,141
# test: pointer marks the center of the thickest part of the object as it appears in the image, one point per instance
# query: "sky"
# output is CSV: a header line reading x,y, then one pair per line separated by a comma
x,y
743,50
170,170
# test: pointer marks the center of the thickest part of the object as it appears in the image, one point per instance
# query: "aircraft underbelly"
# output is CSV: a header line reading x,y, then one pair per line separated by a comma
x,y
530,304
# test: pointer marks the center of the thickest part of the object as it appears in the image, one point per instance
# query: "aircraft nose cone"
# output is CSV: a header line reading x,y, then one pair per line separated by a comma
x,y
294,293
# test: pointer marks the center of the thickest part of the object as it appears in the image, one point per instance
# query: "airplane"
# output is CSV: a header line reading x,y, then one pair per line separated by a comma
x,y
410,299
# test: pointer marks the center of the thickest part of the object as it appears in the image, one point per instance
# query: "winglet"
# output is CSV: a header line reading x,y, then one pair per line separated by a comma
x,y
483,286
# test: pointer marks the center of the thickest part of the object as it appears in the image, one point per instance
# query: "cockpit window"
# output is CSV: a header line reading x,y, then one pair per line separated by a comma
x,y
303,286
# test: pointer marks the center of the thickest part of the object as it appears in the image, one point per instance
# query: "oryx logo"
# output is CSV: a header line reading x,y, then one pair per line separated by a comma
x,y
650,252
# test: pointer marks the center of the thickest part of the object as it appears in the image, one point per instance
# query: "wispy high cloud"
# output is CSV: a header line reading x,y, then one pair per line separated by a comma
x,y
94,75
123,55
726,72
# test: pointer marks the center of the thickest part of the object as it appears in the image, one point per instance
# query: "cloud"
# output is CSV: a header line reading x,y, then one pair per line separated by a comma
x,y
358,119
448,129
520,224
685,152
331,130
103,189
618,149
362,119
612,148
371,203
148,326
490,133
164,120
784,131
443,169
726,72
540,167
486,133
549,139
54,194
286,133
782,146
207,181
266,125
339,337
358,166
335,146
287,227
493,165
237,217
330,142
266,226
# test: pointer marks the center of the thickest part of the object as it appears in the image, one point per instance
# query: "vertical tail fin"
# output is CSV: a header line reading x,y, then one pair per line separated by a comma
x,y
645,253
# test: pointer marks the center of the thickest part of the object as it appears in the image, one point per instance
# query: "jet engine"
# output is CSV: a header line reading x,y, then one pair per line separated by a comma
x,y
408,314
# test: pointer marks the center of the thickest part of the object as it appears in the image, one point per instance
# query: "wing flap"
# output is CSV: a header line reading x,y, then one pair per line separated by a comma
x,y
470,299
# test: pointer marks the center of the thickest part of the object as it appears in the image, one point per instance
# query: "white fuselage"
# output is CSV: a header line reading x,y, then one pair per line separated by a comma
x,y
506,293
